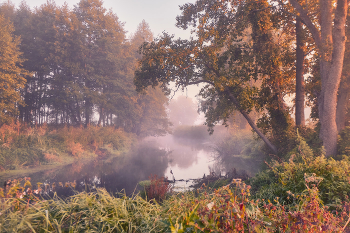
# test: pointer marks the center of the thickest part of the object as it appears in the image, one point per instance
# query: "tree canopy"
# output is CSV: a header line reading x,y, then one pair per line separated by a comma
x,y
11,73
82,68
243,53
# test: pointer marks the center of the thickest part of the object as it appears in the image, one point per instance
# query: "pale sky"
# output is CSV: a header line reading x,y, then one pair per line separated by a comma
x,y
159,14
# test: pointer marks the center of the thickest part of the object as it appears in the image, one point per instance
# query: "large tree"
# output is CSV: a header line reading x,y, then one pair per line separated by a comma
x,y
221,58
328,31
241,54
11,73
83,68
145,113
344,89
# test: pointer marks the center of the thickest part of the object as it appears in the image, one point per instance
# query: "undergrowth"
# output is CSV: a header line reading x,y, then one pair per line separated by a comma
x,y
226,209
21,145
301,192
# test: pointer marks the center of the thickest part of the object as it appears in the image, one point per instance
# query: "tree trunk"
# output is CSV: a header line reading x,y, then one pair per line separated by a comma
x,y
299,76
342,106
252,124
331,45
330,78
100,116
87,113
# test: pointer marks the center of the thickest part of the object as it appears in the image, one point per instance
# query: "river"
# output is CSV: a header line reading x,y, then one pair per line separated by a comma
x,y
179,159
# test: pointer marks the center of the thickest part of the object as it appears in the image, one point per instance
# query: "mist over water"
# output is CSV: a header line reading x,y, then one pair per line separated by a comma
x,y
172,157
187,158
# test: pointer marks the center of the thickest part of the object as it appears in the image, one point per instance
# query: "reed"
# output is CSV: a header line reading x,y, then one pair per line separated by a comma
x,y
84,212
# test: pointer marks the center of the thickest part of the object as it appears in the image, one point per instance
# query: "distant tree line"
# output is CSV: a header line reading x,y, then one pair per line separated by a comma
x,y
74,66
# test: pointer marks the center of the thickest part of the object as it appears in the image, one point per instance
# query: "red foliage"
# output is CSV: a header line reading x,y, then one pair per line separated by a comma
x,y
158,188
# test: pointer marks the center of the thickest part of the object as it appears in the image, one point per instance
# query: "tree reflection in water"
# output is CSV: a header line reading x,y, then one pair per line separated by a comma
x,y
186,159
115,174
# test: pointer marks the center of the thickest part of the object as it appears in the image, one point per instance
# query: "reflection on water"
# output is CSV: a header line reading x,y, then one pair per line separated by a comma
x,y
188,159
115,174
158,156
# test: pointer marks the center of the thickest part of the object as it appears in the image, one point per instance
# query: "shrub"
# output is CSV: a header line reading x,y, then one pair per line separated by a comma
x,y
158,188
229,209
344,142
289,176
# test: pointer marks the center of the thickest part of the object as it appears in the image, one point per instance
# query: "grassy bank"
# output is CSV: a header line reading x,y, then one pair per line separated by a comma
x,y
227,209
301,192
23,147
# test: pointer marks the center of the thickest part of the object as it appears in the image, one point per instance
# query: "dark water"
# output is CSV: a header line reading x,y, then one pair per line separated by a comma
x,y
154,156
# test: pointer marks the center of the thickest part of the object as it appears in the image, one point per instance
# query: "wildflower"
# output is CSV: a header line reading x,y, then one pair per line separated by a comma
x,y
210,205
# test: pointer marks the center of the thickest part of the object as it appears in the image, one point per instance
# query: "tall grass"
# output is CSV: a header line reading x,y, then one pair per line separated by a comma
x,y
21,145
83,212
226,209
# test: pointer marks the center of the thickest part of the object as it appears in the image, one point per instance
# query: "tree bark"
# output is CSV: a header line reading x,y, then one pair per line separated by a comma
x,y
331,45
331,80
299,76
342,106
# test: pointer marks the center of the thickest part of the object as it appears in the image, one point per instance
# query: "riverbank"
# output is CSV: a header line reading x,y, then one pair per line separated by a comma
x,y
226,209
280,198
31,149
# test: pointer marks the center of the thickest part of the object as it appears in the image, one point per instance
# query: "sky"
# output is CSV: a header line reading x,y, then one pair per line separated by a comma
x,y
159,14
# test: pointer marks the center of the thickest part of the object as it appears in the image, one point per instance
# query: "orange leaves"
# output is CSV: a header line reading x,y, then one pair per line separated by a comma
x,y
75,149
158,188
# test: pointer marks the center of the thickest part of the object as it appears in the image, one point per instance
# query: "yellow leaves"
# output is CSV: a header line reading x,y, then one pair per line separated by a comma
x,y
27,184
11,75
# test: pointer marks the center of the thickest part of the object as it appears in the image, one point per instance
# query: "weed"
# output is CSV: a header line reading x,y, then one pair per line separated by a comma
x,y
157,188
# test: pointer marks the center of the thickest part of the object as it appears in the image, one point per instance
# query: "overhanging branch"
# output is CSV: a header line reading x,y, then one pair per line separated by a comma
x,y
307,21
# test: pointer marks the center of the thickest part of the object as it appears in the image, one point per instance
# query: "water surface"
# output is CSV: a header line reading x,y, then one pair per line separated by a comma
x,y
179,159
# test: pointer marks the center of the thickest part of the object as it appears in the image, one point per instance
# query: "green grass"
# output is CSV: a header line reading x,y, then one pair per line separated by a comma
x,y
27,147
225,209
83,212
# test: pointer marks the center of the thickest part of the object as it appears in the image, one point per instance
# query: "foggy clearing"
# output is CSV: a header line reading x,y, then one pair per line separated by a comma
x,y
174,116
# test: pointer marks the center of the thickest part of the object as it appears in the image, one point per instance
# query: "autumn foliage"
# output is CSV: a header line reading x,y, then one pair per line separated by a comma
x,y
21,145
158,188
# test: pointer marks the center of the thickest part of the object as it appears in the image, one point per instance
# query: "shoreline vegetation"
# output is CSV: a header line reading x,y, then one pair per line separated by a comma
x,y
24,149
304,191
229,208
